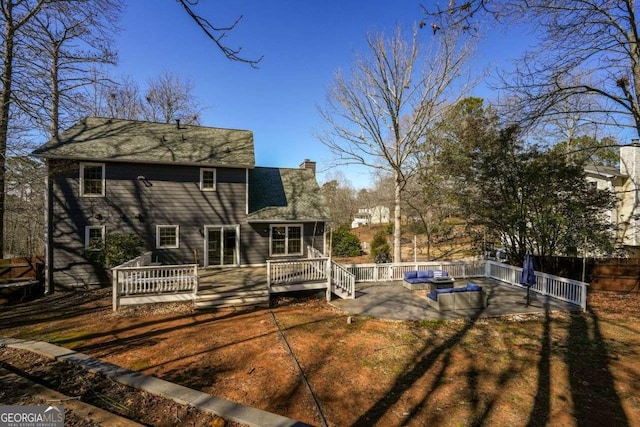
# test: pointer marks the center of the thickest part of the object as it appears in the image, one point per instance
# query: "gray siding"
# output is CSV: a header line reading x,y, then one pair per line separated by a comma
x,y
313,235
170,195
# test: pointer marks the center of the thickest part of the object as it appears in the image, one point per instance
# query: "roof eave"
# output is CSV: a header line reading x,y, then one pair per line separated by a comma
x,y
272,220
152,162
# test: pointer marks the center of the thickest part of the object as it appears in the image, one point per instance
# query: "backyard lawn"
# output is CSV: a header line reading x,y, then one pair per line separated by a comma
x,y
575,369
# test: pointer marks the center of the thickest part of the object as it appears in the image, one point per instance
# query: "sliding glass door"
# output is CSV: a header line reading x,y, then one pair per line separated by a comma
x,y
222,245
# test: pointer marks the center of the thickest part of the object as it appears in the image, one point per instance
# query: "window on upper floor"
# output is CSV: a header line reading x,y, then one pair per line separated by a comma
x,y
94,237
167,236
92,180
207,179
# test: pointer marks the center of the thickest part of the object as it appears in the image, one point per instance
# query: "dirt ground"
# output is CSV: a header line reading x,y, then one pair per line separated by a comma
x,y
457,247
28,379
555,369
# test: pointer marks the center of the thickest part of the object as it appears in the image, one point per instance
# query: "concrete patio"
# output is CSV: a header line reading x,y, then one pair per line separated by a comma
x,y
391,300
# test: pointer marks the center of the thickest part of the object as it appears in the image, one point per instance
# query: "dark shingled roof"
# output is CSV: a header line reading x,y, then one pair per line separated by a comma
x,y
607,171
285,195
103,139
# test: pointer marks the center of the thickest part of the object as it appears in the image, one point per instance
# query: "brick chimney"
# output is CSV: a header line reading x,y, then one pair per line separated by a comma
x,y
308,164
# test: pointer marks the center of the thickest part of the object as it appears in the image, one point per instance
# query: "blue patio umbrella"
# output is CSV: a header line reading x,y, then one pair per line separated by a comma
x,y
528,277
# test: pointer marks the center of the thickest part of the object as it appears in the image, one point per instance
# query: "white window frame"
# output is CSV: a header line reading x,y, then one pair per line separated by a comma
x,y
222,229
215,179
286,239
84,165
87,233
177,243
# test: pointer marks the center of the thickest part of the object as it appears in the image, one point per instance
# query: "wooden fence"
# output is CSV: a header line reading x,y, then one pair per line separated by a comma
x,y
21,268
21,278
616,275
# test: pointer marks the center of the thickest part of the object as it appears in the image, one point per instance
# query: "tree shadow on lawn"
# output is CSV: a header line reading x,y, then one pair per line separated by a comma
x,y
61,305
140,331
160,327
425,358
593,393
592,384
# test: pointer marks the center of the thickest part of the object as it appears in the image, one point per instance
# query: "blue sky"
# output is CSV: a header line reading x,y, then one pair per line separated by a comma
x,y
303,43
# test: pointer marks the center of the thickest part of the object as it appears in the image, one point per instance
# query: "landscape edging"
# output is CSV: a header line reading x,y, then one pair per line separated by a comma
x,y
226,409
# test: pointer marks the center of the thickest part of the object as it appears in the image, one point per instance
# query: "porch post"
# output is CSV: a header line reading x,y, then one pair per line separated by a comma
x,y
196,282
269,275
114,274
328,261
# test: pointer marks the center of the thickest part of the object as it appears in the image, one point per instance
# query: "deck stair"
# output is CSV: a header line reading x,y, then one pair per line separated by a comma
x,y
234,287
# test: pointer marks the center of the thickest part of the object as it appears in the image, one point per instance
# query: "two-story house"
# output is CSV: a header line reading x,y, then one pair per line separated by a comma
x,y
375,215
192,193
624,182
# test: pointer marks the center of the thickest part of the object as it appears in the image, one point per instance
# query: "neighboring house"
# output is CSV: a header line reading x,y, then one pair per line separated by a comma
x,y
368,216
193,194
624,182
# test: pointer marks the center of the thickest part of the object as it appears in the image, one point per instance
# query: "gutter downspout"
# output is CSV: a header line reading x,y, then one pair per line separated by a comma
x,y
48,238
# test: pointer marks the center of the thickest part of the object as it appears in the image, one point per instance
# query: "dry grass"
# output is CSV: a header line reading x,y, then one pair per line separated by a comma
x,y
554,369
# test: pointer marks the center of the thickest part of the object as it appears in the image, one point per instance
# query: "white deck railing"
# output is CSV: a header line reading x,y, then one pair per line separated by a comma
x,y
139,261
568,290
294,272
314,253
343,280
151,284
282,272
389,272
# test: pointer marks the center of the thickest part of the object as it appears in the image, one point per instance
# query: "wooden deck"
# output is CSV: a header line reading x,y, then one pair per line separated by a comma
x,y
232,287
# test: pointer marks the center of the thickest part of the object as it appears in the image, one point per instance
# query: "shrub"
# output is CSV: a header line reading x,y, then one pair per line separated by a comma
x,y
380,248
389,228
116,249
417,227
345,243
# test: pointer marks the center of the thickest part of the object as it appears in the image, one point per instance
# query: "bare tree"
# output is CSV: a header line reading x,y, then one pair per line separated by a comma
x,y
168,98
340,198
218,33
587,50
14,15
24,220
378,115
67,41
119,99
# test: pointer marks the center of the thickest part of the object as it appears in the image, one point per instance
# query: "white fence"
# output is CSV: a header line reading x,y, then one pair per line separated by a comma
x,y
568,290
137,283
389,272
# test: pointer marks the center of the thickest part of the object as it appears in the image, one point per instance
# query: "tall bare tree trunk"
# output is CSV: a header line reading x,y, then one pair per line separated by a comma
x,y
55,93
397,217
10,29
5,102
